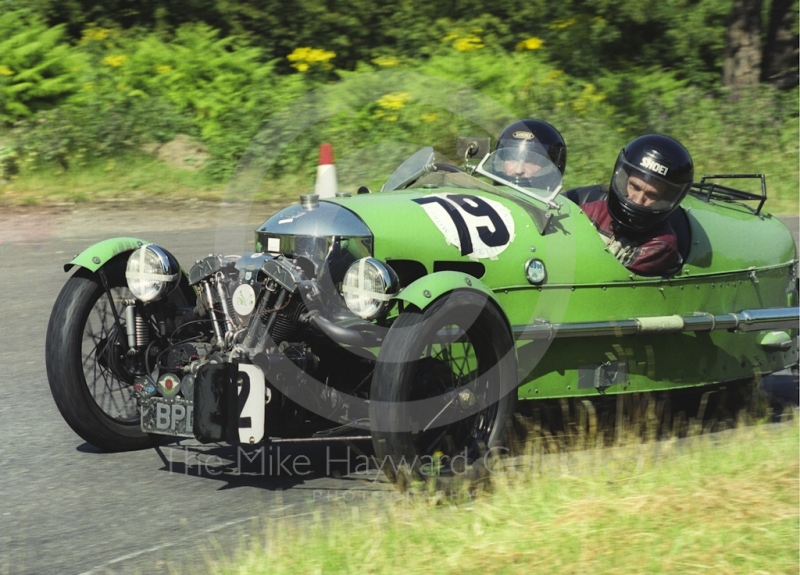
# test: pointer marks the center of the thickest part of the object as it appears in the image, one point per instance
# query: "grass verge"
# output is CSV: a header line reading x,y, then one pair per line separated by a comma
x,y
722,503
138,176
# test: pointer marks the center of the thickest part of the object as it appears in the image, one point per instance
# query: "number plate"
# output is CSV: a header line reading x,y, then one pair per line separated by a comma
x,y
172,416
175,416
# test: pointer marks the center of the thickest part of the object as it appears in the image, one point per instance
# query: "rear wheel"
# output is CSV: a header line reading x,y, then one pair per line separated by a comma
x,y
444,391
89,373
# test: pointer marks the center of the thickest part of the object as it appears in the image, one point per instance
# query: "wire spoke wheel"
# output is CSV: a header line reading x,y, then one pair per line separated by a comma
x,y
443,389
89,371
105,370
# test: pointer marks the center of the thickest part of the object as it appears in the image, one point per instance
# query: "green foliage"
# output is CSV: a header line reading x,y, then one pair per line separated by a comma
x,y
115,90
582,36
36,66
684,36
80,132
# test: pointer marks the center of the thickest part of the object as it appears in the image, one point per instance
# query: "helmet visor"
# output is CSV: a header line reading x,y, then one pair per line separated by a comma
x,y
523,166
647,190
522,151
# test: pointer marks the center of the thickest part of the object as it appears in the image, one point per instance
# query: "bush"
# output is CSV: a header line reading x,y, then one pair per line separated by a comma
x,y
117,90
36,66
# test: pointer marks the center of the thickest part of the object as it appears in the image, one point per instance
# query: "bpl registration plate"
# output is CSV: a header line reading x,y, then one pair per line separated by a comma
x,y
227,409
173,416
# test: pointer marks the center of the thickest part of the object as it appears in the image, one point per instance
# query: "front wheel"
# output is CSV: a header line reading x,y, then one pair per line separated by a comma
x,y
86,362
444,390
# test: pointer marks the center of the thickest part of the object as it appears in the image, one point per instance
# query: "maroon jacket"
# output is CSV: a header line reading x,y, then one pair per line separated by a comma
x,y
653,253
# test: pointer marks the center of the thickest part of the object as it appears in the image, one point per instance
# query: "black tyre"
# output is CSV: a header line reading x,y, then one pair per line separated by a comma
x,y
85,354
444,391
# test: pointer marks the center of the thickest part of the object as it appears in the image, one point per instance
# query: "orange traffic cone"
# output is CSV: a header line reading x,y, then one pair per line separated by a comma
x,y
326,173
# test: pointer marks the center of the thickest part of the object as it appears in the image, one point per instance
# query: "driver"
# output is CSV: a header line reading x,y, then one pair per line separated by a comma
x,y
652,175
532,154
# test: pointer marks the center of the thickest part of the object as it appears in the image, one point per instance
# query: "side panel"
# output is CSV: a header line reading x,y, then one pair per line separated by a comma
x,y
594,366
737,261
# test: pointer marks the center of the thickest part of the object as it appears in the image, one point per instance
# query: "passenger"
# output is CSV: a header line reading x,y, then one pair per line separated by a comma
x,y
526,146
652,175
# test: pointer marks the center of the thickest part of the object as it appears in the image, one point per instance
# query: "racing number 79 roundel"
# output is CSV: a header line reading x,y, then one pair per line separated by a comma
x,y
478,227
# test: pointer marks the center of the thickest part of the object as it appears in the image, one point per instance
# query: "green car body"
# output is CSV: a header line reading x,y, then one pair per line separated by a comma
x,y
737,261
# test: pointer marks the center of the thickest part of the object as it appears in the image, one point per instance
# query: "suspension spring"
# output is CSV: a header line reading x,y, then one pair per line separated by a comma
x,y
142,331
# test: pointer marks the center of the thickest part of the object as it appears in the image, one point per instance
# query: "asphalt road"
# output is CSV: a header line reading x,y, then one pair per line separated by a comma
x,y
66,508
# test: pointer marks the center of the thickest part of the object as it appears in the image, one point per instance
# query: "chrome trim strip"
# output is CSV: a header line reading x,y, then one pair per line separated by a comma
x,y
744,321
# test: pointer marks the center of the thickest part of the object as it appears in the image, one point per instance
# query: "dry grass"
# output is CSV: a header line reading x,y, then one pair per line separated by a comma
x,y
708,504
142,177
135,177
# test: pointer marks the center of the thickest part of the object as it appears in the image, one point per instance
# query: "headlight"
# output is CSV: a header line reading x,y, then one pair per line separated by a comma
x,y
368,286
152,273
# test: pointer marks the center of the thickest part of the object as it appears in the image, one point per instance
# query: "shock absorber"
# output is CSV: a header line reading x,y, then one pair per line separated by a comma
x,y
225,302
209,297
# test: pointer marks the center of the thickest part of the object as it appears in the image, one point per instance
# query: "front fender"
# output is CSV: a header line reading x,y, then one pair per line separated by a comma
x,y
429,288
96,256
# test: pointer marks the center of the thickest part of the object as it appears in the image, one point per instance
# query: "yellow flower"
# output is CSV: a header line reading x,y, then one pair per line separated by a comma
x,y
6,71
304,57
587,99
385,61
95,34
430,117
532,43
163,69
115,61
468,43
394,101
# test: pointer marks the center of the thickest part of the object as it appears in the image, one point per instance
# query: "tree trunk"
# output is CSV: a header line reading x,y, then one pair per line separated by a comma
x,y
781,51
743,44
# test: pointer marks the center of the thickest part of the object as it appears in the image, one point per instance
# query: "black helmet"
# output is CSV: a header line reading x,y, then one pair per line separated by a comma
x,y
531,138
652,175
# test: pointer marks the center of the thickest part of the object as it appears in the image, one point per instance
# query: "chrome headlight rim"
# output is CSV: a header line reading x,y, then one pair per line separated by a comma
x,y
369,304
151,286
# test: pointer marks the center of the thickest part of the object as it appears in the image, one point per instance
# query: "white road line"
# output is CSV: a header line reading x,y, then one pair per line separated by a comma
x,y
181,540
